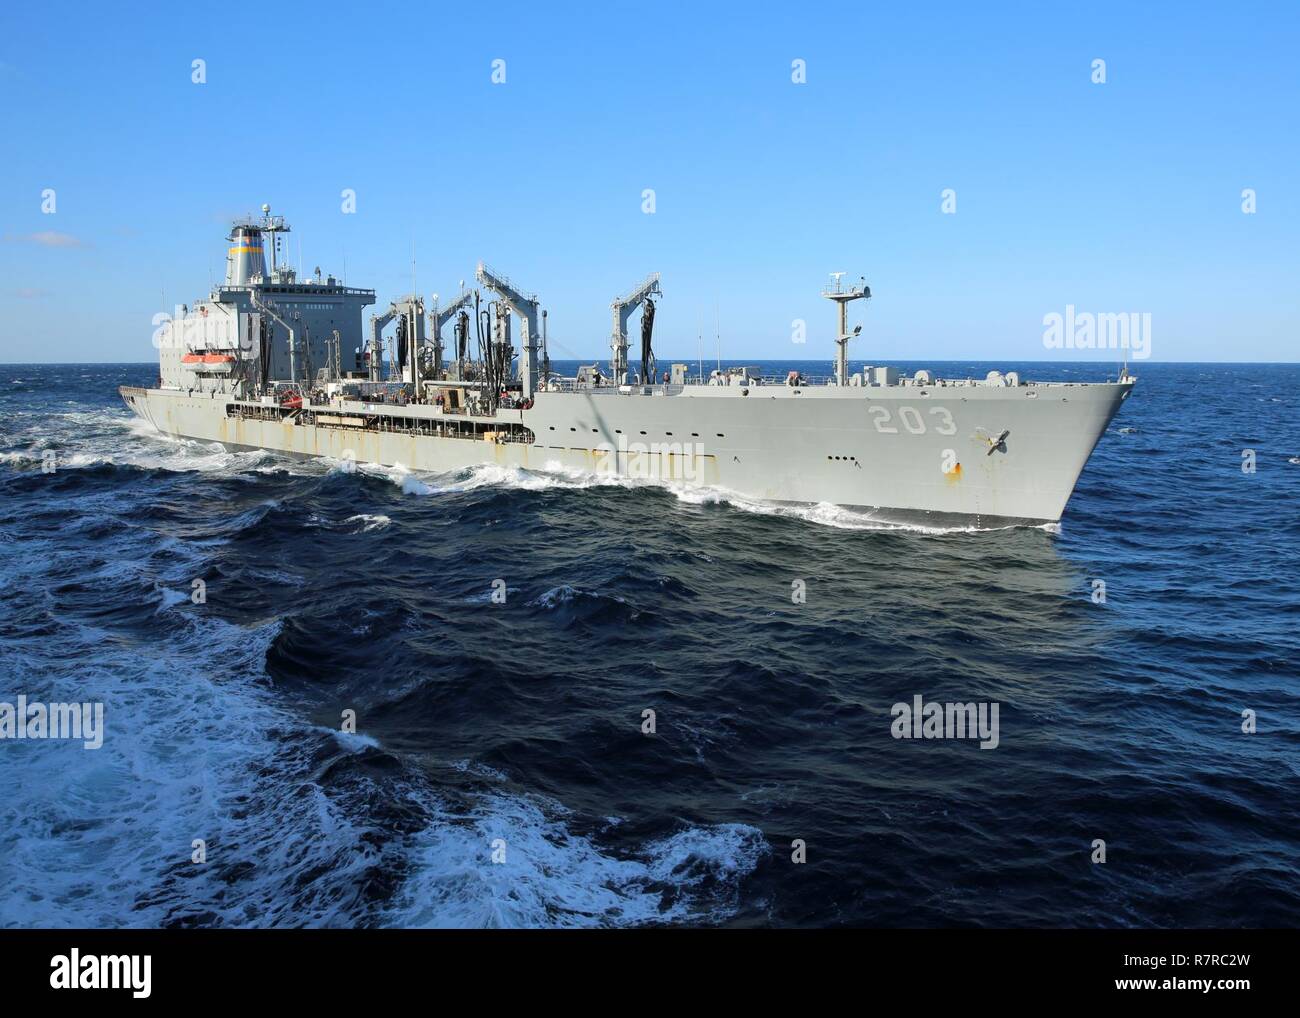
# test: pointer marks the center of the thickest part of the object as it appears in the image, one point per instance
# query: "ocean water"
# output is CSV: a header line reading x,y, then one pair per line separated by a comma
x,y
514,730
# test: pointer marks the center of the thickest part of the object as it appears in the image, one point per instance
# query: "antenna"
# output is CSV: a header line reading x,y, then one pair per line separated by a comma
x,y
717,331
699,338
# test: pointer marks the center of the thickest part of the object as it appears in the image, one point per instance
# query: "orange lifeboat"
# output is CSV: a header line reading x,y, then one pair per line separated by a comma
x,y
209,363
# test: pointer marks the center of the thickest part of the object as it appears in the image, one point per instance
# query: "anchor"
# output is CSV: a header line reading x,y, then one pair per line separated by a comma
x,y
998,444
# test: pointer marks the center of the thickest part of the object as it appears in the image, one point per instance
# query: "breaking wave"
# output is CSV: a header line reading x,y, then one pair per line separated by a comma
x,y
545,875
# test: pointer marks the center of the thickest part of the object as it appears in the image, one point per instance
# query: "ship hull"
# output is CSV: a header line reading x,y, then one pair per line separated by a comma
x,y
905,453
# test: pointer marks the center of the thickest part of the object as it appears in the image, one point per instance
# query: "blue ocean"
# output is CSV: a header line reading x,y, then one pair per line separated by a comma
x,y
1144,655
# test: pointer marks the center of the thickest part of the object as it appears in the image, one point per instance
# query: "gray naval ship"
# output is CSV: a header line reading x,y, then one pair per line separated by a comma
x,y
272,361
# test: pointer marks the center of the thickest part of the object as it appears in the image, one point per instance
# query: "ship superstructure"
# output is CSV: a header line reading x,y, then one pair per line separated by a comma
x,y
263,323
271,361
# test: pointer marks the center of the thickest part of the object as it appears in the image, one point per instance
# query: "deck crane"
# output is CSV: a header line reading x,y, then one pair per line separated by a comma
x,y
440,316
623,309
409,312
526,306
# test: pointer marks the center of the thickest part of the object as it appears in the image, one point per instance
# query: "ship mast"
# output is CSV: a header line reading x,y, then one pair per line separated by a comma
x,y
842,296
274,226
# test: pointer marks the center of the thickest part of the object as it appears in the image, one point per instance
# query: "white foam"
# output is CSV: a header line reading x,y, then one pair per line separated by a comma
x,y
689,857
182,758
369,522
353,742
478,770
547,876
823,514
96,437
556,596
169,598
557,477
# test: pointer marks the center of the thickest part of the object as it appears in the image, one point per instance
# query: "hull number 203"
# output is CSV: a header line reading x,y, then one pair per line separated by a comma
x,y
912,420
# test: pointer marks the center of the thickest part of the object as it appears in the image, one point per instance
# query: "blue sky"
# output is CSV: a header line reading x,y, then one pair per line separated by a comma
x,y
1115,197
